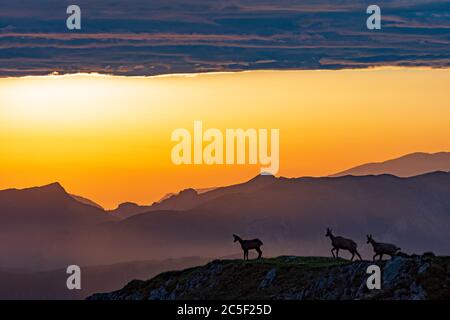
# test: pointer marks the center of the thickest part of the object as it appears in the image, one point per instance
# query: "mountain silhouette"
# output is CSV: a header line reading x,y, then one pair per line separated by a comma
x,y
407,166
47,204
128,209
45,227
290,216
190,198
181,201
185,199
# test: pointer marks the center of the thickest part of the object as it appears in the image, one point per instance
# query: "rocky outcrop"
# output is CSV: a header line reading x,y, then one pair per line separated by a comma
x,y
295,278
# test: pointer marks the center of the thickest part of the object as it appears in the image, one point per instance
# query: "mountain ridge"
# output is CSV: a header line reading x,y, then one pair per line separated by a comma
x,y
408,165
182,200
289,217
288,214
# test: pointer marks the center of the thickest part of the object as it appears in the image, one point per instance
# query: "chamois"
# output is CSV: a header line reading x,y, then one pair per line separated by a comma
x,y
247,245
342,243
382,248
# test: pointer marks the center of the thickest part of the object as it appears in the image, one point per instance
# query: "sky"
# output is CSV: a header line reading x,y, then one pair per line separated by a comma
x,y
340,94
108,138
141,37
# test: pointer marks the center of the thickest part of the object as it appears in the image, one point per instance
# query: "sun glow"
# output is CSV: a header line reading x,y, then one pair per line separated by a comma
x,y
63,101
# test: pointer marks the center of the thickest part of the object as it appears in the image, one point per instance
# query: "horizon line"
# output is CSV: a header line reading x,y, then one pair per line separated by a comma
x,y
56,74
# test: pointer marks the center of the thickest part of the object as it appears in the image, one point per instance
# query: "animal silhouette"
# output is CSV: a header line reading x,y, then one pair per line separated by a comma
x,y
342,243
247,245
382,248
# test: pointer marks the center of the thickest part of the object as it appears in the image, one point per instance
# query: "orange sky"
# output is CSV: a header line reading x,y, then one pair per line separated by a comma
x,y
108,137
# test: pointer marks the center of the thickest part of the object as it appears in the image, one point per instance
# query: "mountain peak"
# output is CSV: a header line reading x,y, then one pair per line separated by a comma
x,y
263,178
188,191
127,205
54,187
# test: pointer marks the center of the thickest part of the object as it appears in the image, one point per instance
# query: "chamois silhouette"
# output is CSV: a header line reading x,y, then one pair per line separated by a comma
x,y
382,248
342,243
247,245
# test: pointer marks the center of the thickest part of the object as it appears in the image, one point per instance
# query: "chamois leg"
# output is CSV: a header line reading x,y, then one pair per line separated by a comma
x,y
337,252
381,256
259,252
353,255
246,254
332,252
374,256
359,256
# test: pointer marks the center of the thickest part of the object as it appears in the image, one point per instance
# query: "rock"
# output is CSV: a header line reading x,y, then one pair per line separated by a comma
x,y
423,268
158,294
393,268
270,276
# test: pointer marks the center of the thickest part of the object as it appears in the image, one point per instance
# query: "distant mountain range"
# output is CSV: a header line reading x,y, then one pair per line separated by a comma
x,y
45,228
188,198
174,201
407,166
290,215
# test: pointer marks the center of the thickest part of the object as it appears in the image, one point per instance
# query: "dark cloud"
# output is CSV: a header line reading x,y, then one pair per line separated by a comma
x,y
140,37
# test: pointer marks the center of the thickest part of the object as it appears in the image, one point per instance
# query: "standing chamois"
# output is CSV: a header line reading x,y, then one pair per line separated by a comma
x,y
382,248
246,245
342,243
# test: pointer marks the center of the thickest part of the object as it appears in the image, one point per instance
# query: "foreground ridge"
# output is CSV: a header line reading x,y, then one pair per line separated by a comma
x,y
295,278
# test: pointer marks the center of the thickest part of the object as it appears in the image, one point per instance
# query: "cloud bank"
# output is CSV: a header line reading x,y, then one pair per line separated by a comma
x,y
140,37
